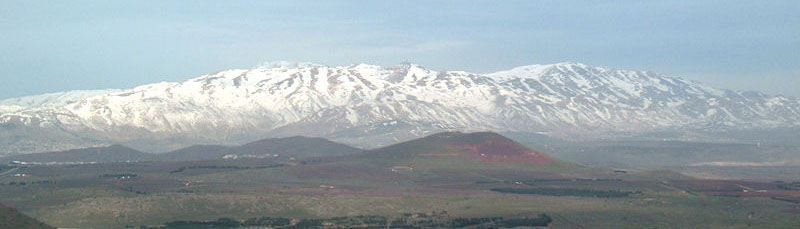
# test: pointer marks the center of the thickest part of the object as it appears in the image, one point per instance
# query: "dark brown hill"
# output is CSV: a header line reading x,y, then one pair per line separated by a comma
x,y
480,146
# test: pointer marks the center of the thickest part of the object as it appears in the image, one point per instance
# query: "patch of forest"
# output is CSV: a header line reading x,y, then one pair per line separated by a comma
x,y
408,220
21,183
565,192
231,167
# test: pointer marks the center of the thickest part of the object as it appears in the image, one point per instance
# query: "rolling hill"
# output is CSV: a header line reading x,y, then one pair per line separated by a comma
x,y
298,147
113,153
478,146
449,153
11,218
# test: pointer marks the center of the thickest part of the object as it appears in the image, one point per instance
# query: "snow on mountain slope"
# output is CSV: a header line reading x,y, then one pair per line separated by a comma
x,y
372,105
49,100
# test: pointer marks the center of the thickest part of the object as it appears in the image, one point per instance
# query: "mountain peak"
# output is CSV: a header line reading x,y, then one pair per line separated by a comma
x,y
365,65
409,66
570,64
288,64
538,69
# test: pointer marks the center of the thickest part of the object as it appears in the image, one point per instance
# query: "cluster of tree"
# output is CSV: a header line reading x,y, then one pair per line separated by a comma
x,y
787,186
5,167
542,221
435,220
267,222
311,161
219,223
551,180
796,201
17,183
119,176
441,220
31,183
133,190
222,223
182,169
179,170
565,192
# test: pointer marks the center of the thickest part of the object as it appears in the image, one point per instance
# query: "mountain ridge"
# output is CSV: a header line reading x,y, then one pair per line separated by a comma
x,y
370,106
289,147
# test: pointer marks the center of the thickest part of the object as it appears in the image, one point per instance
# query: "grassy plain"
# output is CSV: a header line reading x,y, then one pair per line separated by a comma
x,y
81,197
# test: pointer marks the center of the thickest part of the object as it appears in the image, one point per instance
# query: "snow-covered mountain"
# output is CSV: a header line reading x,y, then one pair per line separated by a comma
x,y
370,105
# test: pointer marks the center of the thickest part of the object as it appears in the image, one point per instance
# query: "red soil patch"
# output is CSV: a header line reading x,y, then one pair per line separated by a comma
x,y
503,151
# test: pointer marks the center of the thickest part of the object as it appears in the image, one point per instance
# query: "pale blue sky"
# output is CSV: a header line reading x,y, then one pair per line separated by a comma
x,y
67,45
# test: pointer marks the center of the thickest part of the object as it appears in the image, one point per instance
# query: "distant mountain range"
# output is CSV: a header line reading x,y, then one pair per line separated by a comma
x,y
371,106
290,147
488,147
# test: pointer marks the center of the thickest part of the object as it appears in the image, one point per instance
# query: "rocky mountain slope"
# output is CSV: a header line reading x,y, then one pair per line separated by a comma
x,y
369,106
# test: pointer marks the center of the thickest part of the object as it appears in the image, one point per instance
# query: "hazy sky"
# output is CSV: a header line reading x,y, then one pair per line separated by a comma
x,y
67,45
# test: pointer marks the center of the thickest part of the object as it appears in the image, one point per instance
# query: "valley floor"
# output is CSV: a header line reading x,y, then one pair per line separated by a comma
x,y
117,195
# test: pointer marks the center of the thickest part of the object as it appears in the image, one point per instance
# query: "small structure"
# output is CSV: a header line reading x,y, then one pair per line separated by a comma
x,y
325,186
230,157
402,169
190,182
